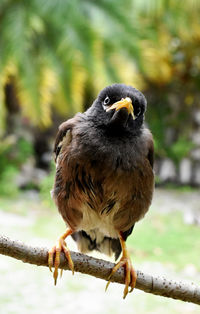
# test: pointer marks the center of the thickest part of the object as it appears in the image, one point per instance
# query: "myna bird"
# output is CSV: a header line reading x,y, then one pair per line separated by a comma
x,y
104,179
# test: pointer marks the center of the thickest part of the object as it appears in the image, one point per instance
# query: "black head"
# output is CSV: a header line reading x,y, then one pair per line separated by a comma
x,y
119,107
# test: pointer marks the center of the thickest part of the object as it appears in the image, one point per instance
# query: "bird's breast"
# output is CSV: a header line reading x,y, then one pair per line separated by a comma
x,y
103,186
92,220
107,200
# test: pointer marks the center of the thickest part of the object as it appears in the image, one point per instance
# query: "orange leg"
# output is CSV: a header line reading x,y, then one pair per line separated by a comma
x,y
55,262
130,273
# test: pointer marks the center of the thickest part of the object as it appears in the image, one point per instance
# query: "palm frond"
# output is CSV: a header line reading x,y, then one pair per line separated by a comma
x,y
78,84
2,110
47,89
157,59
58,47
7,72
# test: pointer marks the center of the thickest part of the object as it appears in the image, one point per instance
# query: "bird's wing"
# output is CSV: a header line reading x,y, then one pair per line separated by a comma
x,y
139,188
150,155
63,136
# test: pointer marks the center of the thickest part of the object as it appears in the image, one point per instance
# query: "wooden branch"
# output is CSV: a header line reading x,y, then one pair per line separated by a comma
x,y
101,269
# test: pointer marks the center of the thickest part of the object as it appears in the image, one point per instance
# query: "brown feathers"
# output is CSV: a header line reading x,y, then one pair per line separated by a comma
x,y
104,179
84,185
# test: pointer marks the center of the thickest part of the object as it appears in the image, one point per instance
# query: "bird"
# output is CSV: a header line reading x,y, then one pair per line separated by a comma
x,y
104,178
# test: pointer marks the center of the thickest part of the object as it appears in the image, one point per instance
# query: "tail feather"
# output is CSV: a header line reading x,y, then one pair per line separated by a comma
x,y
107,245
95,240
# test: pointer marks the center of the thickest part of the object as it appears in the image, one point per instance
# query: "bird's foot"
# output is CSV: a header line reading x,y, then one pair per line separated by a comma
x,y
130,273
54,255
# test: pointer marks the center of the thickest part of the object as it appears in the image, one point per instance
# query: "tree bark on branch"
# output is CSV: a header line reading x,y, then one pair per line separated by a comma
x,y
98,268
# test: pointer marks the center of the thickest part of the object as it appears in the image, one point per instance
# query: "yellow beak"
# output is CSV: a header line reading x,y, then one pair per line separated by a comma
x,y
123,103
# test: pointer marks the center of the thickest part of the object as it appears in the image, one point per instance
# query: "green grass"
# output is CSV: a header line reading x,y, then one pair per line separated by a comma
x,y
159,237
180,188
165,238
162,238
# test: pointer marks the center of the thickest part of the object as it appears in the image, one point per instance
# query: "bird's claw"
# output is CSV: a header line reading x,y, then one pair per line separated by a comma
x,y
130,275
54,258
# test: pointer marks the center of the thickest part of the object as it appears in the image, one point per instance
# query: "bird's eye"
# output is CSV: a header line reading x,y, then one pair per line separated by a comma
x,y
106,101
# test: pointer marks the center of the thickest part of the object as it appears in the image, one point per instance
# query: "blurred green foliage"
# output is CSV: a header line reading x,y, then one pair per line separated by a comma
x,y
179,149
46,186
54,51
7,182
13,153
56,55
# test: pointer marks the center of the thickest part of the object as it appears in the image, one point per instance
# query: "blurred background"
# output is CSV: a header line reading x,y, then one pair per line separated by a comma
x,y
55,57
